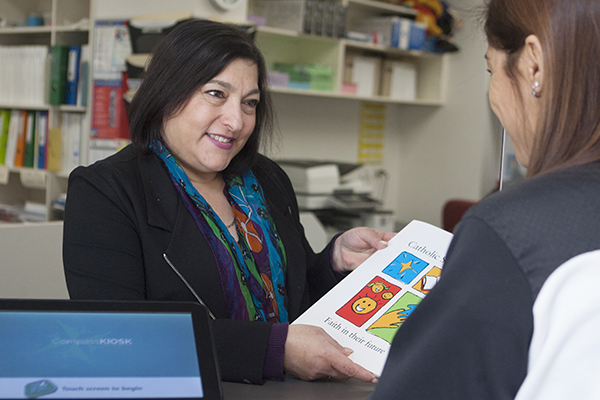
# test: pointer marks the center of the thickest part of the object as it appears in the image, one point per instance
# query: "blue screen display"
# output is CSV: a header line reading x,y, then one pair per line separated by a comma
x,y
97,345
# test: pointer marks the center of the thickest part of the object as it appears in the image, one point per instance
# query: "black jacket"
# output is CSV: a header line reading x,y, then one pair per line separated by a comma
x,y
124,213
470,337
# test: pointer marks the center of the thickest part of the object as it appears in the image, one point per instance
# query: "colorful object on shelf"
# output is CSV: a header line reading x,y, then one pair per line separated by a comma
x,y
278,79
109,117
416,38
307,76
349,88
35,20
4,124
428,12
59,56
439,24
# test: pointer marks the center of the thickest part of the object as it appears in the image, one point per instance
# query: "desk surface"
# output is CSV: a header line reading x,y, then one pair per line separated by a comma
x,y
296,389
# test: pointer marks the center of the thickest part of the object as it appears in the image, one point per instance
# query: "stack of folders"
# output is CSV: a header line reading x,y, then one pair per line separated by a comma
x,y
38,75
69,75
23,77
26,141
21,132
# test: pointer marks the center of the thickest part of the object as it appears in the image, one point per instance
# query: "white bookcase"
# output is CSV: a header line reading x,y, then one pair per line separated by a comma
x,y
72,23
286,46
66,22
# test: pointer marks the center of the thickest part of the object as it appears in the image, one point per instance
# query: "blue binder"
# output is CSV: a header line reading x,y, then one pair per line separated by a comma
x,y
73,75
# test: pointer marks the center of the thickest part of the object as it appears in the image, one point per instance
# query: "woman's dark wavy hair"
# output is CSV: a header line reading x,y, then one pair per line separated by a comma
x,y
186,59
569,31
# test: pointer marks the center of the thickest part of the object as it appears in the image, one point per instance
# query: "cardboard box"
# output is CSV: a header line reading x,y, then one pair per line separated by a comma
x,y
399,80
365,72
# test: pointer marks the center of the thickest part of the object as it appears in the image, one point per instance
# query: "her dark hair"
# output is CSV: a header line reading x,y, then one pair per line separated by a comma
x,y
186,59
568,131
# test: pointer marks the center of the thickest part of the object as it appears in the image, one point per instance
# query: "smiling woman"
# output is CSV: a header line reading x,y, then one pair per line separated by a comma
x,y
216,122
192,212
185,67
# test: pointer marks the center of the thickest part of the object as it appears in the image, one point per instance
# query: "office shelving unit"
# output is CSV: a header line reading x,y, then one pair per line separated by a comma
x,y
69,23
72,23
286,46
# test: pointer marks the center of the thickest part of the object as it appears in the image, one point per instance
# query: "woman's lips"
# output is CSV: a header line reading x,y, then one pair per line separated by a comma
x,y
222,142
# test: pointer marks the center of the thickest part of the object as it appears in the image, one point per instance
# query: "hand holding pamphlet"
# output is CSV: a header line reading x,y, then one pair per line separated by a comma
x,y
364,311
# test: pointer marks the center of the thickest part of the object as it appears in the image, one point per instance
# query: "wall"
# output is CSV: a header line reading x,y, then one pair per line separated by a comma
x,y
31,261
453,151
326,129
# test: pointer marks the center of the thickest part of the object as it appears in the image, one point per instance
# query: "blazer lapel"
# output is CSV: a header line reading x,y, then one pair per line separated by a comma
x,y
187,251
162,199
190,254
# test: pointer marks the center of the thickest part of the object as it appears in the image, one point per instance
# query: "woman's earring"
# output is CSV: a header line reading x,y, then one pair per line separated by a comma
x,y
534,92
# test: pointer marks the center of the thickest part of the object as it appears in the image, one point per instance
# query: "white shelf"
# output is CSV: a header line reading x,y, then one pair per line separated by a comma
x,y
346,42
72,28
354,44
40,107
347,96
380,6
44,107
19,30
31,172
287,32
73,109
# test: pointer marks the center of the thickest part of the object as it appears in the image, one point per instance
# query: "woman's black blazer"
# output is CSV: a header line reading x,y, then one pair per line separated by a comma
x,y
123,216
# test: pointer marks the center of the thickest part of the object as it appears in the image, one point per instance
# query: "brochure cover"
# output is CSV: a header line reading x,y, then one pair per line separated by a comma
x,y
364,311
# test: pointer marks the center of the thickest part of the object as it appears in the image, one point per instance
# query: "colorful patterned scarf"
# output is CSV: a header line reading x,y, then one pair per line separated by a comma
x,y
252,271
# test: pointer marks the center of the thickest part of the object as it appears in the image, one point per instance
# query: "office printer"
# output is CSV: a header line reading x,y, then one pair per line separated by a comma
x,y
329,184
341,195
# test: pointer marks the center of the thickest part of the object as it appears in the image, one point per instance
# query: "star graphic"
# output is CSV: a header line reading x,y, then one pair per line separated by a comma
x,y
405,266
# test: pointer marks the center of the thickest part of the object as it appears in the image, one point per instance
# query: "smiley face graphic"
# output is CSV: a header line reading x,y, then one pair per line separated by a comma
x,y
364,305
367,301
377,287
387,295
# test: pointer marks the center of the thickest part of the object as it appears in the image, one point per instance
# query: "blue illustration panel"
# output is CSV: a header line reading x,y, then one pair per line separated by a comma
x,y
405,267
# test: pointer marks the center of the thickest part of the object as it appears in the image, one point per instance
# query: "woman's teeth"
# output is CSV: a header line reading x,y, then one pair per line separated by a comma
x,y
219,138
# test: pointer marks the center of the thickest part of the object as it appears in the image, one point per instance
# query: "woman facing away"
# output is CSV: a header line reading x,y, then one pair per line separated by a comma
x,y
192,212
470,337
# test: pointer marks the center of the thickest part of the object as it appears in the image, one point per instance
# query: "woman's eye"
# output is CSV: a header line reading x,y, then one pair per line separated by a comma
x,y
489,71
216,93
249,106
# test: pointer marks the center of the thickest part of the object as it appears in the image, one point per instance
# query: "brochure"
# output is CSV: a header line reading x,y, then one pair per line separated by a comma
x,y
364,311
